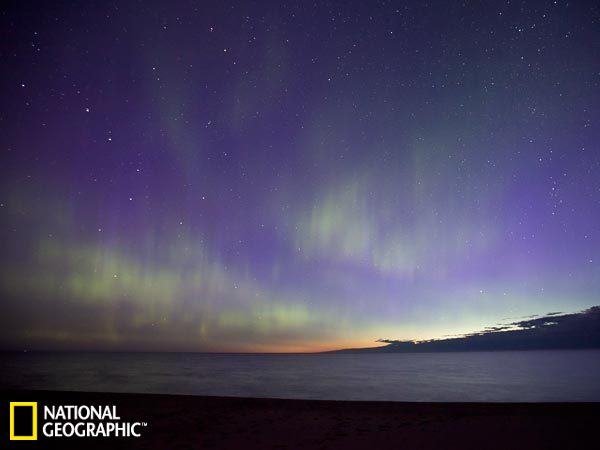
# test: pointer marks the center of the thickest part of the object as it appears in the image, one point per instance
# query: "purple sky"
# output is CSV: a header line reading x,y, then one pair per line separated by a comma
x,y
287,176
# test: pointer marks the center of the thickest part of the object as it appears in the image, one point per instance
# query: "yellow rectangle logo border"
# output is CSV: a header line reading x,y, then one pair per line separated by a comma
x,y
33,437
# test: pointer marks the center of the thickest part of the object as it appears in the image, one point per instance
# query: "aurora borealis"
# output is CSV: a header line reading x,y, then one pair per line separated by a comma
x,y
290,176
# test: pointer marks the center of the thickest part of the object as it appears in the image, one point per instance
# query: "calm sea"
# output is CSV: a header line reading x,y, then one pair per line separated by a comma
x,y
527,376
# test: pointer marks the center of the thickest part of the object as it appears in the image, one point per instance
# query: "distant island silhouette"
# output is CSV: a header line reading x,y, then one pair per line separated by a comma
x,y
550,332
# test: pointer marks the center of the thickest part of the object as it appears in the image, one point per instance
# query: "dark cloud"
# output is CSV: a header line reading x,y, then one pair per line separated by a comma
x,y
553,331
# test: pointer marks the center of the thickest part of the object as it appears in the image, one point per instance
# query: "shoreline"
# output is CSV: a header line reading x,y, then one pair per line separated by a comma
x,y
185,421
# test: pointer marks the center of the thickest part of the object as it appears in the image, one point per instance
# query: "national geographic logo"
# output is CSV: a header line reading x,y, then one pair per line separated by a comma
x,y
68,421
23,421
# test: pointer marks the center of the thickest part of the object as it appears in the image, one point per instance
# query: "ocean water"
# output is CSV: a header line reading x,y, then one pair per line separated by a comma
x,y
525,376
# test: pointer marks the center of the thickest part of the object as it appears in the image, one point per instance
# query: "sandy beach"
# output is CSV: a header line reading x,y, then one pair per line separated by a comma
x,y
181,422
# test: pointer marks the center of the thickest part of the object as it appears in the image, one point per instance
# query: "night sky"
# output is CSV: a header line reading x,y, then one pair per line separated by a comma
x,y
294,176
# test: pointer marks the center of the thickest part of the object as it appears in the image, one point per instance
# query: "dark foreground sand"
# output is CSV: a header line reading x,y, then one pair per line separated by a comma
x,y
179,422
